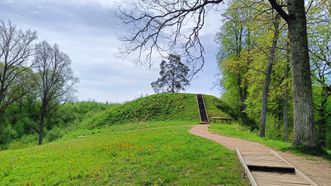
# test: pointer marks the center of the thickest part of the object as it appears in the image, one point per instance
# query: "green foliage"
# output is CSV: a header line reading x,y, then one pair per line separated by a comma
x,y
54,134
118,155
6,134
245,42
70,117
174,75
328,135
274,128
320,54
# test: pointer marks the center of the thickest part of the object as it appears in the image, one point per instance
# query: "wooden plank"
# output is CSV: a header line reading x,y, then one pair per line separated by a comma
x,y
272,178
266,160
248,172
222,119
297,171
253,153
270,169
270,163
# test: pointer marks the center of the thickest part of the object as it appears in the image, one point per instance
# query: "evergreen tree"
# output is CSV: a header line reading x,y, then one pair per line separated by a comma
x,y
174,75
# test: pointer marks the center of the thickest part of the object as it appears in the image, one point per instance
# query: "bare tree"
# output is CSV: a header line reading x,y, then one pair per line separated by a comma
x,y
15,50
153,20
55,82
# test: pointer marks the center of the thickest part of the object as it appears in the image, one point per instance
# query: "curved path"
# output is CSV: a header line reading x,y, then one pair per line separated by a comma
x,y
317,169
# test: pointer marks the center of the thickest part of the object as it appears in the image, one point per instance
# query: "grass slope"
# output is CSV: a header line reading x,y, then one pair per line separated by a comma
x,y
161,107
151,146
124,155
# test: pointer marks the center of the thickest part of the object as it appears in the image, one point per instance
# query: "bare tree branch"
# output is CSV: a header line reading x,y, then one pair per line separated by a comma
x,y
279,9
163,27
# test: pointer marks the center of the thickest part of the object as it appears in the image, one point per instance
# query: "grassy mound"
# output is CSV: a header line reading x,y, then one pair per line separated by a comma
x,y
137,152
78,116
161,107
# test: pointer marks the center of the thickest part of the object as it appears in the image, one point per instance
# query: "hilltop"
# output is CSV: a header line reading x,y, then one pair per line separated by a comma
x,y
161,107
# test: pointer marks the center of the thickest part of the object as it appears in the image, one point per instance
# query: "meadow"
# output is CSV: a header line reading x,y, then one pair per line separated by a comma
x,y
157,153
141,142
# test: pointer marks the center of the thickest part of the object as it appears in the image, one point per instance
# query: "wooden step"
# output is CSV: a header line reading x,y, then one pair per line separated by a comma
x,y
202,109
270,169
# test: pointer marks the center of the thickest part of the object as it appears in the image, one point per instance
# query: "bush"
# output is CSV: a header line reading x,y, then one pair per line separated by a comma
x,y
24,141
55,134
6,135
274,128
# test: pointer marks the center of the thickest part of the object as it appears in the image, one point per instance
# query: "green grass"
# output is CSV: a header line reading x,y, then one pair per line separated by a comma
x,y
146,153
160,107
239,131
141,142
74,118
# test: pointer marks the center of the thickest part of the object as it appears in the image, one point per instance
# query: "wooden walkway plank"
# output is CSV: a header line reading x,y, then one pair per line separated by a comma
x,y
249,174
297,171
270,169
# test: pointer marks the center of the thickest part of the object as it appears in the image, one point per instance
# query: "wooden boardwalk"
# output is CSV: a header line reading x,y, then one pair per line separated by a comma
x,y
270,169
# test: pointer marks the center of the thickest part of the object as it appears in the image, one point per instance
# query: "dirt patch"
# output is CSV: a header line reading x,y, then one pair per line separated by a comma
x,y
317,169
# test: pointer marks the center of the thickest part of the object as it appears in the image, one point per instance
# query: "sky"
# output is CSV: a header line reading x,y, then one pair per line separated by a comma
x,y
88,31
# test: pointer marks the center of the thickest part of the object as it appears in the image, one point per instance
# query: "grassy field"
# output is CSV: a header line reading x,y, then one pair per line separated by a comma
x,y
141,142
146,153
239,131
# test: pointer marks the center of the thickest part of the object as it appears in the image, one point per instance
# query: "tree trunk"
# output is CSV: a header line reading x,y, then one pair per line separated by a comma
x,y
268,71
40,135
43,112
303,133
285,105
172,82
286,91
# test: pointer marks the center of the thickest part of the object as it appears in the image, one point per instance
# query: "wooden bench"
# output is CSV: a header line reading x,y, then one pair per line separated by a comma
x,y
222,119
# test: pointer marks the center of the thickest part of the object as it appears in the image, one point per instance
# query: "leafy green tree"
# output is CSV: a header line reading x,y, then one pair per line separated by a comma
x,y
174,75
243,70
268,71
320,54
